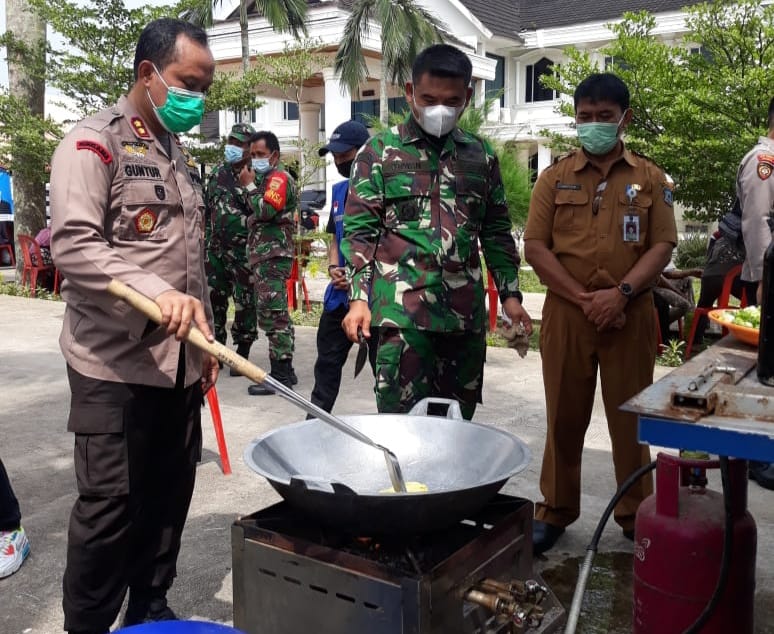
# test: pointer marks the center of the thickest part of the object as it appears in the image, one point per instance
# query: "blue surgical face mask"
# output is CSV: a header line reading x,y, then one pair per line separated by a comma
x,y
261,165
233,153
599,138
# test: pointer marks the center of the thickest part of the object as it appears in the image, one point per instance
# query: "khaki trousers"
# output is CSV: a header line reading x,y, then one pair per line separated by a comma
x,y
573,352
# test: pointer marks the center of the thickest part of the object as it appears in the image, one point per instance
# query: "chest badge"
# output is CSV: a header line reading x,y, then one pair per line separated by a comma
x,y
135,148
139,128
145,221
631,191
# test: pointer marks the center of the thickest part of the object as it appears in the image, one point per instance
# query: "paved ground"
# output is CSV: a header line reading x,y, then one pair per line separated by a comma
x,y
37,452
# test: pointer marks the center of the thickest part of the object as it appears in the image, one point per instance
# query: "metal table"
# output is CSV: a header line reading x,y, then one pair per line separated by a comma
x,y
712,403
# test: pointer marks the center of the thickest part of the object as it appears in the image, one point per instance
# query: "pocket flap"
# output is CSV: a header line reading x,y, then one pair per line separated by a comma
x,y
643,201
96,418
570,197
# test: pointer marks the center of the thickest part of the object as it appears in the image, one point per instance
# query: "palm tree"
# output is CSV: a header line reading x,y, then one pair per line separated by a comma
x,y
406,29
285,16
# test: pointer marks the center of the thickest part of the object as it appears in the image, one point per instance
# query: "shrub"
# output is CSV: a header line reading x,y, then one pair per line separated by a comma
x,y
691,251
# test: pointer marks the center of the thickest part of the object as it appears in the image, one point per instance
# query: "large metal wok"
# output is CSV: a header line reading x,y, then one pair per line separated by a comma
x,y
343,483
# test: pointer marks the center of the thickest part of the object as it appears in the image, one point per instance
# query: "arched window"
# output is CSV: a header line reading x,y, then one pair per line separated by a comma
x,y
535,90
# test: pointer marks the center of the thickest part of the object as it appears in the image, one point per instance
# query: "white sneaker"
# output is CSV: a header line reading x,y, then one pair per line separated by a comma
x,y
14,548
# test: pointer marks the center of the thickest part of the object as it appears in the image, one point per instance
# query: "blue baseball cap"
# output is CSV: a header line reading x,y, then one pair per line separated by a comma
x,y
346,136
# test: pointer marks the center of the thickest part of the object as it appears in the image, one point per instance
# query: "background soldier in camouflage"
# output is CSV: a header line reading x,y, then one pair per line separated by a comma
x,y
422,195
228,271
271,195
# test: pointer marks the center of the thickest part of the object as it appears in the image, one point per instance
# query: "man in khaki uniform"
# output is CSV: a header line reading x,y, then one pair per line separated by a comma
x,y
599,232
127,204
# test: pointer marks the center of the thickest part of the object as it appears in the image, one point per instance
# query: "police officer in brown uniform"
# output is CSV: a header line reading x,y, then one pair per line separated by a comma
x,y
127,204
600,230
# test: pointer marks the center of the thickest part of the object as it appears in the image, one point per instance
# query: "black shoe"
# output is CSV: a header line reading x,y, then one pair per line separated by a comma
x,y
259,389
280,371
544,536
763,474
629,534
243,350
147,610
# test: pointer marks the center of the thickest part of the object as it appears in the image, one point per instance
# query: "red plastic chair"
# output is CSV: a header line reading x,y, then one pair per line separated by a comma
x,y
290,285
725,295
29,247
9,248
217,421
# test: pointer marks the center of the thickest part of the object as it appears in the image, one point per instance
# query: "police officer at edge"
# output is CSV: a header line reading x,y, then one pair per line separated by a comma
x,y
127,204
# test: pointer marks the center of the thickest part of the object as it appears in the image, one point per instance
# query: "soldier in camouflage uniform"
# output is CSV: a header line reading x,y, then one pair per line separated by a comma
x,y
422,196
228,271
271,196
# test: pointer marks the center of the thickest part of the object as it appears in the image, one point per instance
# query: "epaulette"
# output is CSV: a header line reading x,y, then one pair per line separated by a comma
x,y
562,157
102,119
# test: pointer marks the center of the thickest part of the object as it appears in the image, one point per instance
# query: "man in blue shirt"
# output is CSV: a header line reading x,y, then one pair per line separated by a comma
x,y
332,343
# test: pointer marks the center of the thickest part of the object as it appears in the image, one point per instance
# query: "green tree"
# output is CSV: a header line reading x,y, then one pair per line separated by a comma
x,y
290,73
23,143
695,113
284,16
406,28
93,64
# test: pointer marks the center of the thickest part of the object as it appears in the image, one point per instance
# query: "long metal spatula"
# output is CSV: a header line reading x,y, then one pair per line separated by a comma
x,y
195,337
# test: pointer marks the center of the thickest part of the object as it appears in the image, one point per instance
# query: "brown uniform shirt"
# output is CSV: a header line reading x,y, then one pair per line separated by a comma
x,y
122,207
596,227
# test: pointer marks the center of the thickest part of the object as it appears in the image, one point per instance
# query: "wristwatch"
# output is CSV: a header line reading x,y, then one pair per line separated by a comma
x,y
626,290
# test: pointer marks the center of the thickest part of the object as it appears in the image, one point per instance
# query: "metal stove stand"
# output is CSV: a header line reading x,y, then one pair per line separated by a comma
x,y
292,576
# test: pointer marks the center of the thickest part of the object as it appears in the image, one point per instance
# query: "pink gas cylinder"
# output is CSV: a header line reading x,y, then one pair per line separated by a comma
x,y
678,546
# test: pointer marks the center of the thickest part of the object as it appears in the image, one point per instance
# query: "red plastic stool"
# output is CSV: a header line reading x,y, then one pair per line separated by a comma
x,y
217,421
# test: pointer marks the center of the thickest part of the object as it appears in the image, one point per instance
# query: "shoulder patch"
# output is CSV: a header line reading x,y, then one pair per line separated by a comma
x,y
766,158
98,149
764,170
138,125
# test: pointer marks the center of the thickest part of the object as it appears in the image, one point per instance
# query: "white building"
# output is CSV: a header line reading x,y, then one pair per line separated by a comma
x,y
510,42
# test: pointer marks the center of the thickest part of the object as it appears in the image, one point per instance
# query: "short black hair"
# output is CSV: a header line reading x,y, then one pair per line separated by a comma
x,y
269,138
771,114
158,41
603,87
442,60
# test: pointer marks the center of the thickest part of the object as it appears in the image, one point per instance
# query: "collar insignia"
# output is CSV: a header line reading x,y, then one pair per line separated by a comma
x,y
139,128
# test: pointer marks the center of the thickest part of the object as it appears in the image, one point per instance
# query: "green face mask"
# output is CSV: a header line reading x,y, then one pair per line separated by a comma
x,y
598,138
182,110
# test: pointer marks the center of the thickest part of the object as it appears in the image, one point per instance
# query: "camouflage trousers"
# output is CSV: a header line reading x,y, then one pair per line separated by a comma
x,y
271,296
413,364
228,275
